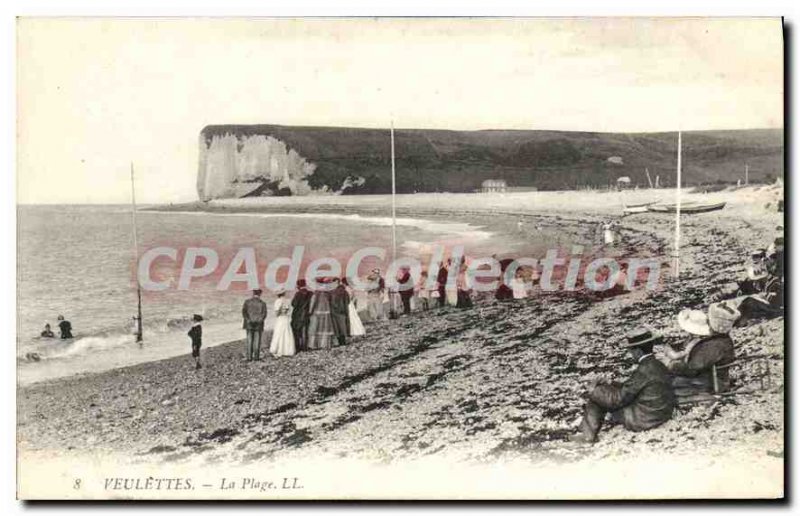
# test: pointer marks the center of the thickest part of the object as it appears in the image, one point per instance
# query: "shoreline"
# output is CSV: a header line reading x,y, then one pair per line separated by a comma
x,y
410,388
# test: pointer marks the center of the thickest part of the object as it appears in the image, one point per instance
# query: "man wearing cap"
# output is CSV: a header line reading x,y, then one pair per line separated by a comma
x,y
254,311
710,346
643,401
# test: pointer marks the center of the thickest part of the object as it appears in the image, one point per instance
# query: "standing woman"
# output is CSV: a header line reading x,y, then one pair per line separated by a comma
x,y
375,296
423,293
451,290
282,344
320,323
356,326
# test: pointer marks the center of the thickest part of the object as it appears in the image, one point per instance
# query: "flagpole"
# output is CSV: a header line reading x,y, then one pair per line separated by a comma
x,y
677,251
139,336
394,207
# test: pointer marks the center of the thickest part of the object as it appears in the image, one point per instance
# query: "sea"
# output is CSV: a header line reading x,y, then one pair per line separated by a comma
x,y
79,262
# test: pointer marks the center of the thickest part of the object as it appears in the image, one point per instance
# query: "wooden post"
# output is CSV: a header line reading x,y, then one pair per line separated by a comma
x,y
648,177
677,251
139,333
394,208
746,175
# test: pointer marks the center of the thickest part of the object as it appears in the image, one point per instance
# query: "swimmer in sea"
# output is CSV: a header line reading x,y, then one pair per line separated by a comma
x,y
48,333
65,327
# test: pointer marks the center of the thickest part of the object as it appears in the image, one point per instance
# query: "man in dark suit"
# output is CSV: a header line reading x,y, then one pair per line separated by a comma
x,y
643,401
300,304
254,311
340,315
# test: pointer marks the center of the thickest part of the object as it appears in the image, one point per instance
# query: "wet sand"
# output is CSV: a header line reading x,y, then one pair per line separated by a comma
x,y
499,381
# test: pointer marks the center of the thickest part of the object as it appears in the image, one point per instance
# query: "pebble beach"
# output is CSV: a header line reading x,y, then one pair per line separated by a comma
x,y
497,382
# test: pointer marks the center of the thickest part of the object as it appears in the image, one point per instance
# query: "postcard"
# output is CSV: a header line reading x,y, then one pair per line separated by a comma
x,y
400,258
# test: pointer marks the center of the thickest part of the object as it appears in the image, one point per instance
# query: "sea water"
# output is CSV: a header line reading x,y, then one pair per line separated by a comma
x,y
78,261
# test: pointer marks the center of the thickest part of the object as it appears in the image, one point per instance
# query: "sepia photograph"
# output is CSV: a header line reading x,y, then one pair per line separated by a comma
x,y
433,258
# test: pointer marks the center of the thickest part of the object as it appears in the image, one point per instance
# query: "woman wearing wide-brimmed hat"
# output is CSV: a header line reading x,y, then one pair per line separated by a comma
x,y
644,401
282,342
710,345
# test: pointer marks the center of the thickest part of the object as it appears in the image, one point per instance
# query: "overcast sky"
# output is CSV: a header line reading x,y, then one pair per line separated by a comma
x,y
95,95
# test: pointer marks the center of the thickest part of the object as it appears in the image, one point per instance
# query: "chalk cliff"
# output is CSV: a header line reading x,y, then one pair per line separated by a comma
x,y
255,160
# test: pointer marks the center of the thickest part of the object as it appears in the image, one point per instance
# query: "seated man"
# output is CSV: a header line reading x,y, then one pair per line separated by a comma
x,y
760,295
710,345
643,402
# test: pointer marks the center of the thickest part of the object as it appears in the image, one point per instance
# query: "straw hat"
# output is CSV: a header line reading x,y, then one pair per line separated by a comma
x,y
722,317
642,336
694,322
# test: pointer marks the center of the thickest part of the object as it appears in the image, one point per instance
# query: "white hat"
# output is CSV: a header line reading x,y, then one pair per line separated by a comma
x,y
722,316
694,322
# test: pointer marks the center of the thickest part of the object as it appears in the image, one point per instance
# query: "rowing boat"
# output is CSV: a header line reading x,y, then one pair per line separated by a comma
x,y
686,208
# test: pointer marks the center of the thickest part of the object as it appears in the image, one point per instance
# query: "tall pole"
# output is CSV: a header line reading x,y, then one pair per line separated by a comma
x,y
394,207
746,175
677,255
139,336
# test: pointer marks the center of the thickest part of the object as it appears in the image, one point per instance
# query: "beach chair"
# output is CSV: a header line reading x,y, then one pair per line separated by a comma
x,y
762,374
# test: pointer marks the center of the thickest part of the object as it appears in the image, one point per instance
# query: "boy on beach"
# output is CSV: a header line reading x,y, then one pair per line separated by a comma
x,y
196,334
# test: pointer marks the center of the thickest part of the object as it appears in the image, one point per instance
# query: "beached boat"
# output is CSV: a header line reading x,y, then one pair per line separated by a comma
x,y
687,207
628,209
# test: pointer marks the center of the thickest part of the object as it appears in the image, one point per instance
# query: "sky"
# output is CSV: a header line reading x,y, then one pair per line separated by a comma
x,y
95,95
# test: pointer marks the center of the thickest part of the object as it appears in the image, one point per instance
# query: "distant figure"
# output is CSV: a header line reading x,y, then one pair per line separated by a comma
x,y
254,312
340,314
643,401
375,295
463,289
519,225
452,292
356,326
504,292
65,327
423,293
48,333
441,282
282,343
608,233
196,334
519,287
709,346
300,304
320,324
405,287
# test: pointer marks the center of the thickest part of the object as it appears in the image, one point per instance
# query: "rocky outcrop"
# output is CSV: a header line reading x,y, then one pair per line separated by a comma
x,y
240,166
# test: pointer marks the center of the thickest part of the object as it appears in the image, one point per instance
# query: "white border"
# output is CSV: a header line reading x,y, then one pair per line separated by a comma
x,y
13,8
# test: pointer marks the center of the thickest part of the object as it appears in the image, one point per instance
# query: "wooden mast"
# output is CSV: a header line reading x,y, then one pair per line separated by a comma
x,y
394,207
139,334
677,255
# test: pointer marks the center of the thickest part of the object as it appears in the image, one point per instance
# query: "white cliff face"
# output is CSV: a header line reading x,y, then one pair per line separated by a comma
x,y
229,163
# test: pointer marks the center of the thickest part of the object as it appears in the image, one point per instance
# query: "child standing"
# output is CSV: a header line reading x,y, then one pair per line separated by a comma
x,y
196,334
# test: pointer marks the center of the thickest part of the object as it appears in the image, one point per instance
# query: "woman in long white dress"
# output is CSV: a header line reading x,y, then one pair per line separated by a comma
x,y
356,326
282,344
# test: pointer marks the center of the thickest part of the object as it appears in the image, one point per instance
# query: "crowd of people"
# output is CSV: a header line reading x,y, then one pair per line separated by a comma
x,y
696,365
